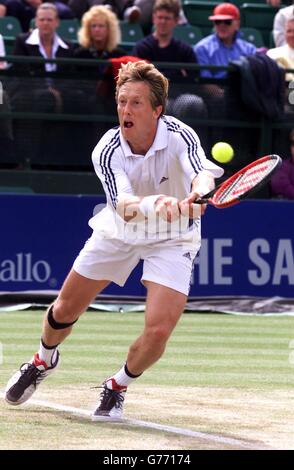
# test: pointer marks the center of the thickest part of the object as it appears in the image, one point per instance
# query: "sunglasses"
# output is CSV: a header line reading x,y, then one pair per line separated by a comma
x,y
226,22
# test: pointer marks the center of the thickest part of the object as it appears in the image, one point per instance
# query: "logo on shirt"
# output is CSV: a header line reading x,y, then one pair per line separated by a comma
x,y
163,179
187,255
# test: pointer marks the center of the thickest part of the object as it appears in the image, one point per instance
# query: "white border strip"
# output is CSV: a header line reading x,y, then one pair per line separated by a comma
x,y
149,425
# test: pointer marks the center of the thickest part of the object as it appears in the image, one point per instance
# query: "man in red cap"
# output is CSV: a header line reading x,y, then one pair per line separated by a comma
x,y
225,44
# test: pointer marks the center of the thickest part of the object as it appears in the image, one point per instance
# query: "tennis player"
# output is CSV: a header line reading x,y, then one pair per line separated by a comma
x,y
152,168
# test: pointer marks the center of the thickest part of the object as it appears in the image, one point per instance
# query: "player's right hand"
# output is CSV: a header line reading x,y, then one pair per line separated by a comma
x,y
167,208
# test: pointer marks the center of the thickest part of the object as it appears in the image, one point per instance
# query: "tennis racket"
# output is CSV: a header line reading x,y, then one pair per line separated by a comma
x,y
242,183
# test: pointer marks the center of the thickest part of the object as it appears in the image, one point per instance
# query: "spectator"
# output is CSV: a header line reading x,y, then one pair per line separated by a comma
x,y
225,44
5,124
3,8
44,41
124,9
284,55
282,182
99,35
45,94
279,24
161,46
146,8
2,54
25,10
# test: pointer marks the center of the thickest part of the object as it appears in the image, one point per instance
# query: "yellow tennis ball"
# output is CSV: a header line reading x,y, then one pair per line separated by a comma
x,y
222,152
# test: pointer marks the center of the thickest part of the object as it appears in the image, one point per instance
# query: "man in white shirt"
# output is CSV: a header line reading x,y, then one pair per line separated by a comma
x,y
152,168
284,55
279,24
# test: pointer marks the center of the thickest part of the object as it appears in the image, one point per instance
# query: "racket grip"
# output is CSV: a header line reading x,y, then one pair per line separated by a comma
x,y
201,200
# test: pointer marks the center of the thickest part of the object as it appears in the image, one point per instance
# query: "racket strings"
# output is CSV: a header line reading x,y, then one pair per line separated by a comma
x,y
244,182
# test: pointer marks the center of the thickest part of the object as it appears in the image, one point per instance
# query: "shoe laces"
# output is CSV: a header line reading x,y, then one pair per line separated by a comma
x,y
29,375
110,398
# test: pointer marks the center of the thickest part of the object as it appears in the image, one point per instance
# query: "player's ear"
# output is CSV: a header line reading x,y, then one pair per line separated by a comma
x,y
158,111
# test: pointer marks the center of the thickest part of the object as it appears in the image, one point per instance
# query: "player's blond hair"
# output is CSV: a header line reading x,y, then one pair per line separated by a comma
x,y
142,71
105,14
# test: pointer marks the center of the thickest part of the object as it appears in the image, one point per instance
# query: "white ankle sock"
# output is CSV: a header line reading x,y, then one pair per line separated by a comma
x,y
47,354
122,378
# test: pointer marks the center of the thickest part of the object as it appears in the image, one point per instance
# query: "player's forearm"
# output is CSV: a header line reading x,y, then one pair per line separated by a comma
x,y
136,208
128,208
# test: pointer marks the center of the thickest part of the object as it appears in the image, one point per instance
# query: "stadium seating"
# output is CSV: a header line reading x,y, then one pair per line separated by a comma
x,y
197,13
188,33
252,35
68,29
131,32
259,16
9,26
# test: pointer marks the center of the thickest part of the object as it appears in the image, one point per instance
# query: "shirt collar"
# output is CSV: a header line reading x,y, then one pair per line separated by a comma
x,y
160,142
34,40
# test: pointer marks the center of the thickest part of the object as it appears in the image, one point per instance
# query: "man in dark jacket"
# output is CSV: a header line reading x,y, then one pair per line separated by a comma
x,y
161,46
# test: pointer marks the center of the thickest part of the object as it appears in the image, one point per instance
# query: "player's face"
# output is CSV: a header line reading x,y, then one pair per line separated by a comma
x,y
137,118
47,22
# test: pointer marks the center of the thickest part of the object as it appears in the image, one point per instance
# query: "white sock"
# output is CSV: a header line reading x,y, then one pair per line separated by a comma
x,y
47,353
123,377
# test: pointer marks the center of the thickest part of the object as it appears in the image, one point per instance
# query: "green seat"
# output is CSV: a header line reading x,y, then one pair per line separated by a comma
x,y
131,32
188,33
259,16
9,26
252,35
197,13
9,44
68,29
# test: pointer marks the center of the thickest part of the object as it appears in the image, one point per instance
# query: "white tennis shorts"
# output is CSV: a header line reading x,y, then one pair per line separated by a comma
x,y
166,263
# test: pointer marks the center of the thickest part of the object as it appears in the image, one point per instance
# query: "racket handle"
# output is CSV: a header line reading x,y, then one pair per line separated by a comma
x,y
201,200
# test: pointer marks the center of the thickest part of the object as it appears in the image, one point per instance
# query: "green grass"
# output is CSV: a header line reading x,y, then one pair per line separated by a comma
x,y
221,374
206,349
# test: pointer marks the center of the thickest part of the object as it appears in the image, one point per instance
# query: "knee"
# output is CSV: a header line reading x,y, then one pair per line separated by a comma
x,y
63,312
157,336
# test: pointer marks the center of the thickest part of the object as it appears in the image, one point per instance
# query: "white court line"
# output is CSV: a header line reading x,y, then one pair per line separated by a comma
x,y
148,424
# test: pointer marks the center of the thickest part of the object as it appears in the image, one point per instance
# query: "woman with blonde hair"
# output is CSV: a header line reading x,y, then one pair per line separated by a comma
x,y
99,35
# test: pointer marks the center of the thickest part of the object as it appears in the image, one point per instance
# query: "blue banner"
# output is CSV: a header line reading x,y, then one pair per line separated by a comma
x,y
246,250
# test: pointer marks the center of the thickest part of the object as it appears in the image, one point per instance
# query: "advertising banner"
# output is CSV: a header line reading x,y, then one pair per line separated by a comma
x,y
247,249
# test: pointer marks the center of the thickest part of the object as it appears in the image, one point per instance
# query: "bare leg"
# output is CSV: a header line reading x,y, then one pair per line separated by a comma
x,y
164,307
74,298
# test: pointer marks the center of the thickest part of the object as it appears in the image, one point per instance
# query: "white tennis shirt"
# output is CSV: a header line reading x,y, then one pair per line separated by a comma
x,y
169,167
